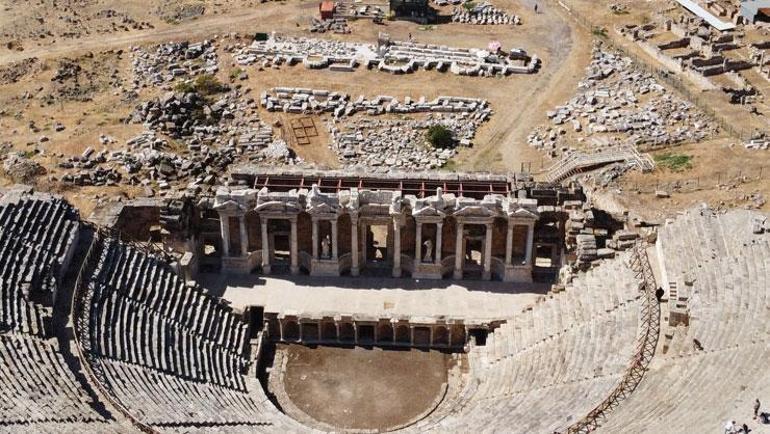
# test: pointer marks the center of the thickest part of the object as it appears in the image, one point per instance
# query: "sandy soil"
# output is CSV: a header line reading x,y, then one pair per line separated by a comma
x,y
363,388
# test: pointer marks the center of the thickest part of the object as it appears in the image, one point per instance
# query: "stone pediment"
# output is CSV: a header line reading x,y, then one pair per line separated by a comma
x,y
278,206
229,207
428,211
523,213
475,211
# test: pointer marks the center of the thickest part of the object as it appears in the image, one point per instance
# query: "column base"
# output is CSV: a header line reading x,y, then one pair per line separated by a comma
x,y
486,275
396,272
266,269
294,269
355,272
458,274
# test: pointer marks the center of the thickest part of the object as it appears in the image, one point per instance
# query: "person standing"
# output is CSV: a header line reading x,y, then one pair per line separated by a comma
x,y
756,408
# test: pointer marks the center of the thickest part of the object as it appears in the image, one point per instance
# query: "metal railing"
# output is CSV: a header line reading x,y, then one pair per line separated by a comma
x,y
647,341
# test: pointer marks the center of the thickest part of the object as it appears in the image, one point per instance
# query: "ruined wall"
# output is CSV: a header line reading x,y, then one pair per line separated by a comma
x,y
134,222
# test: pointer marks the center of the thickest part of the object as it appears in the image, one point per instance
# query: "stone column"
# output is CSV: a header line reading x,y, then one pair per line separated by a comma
x,y
355,332
411,335
294,268
299,323
280,328
439,242
396,249
487,274
355,257
530,242
459,252
418,243
335,250
315,239
509,244
431,335
244,236
265,247
224,222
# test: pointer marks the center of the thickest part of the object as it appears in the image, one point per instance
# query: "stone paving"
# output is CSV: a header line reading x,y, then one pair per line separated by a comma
x,y
374,296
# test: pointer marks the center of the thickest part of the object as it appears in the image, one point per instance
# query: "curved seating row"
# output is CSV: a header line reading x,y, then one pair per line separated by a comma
x,y
713,369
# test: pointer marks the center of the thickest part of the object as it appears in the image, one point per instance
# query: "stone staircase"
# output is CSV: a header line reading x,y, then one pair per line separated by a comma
x,y
578,162
712,370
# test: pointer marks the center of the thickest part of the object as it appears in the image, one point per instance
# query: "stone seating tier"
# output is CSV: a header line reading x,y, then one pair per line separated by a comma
x,y
695,387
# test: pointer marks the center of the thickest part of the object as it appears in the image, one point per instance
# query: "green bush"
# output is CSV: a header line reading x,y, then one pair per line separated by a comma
x,y
235,73
205,84
184,87
675,162
600,32
208,84
440,136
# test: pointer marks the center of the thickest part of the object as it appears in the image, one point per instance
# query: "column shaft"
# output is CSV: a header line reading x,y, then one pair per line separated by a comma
x,y
396,249
355,257
439,242
488,253
315,239
509,244
459,252
294,250
244,236
224,222
335,249
265,247
530,242
418,243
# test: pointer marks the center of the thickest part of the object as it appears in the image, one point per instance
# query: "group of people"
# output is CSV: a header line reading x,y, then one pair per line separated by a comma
x,y
731,427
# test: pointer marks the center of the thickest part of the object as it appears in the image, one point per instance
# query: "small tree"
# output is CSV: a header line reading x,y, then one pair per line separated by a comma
x,y
207,84
440,136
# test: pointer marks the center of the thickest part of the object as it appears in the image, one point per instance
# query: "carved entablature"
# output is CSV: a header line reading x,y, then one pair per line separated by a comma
x,y
521,209
375,204
235,202
292,202
323,205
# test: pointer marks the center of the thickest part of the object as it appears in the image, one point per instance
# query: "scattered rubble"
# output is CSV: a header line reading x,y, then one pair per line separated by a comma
x,y
390,56
483,14
392,144
387,142
335,25
231,120
22,169
302,100
618,105
172,60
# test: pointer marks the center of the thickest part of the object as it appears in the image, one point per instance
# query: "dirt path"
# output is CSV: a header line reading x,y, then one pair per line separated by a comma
x,y
203,27
519,101
569,48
